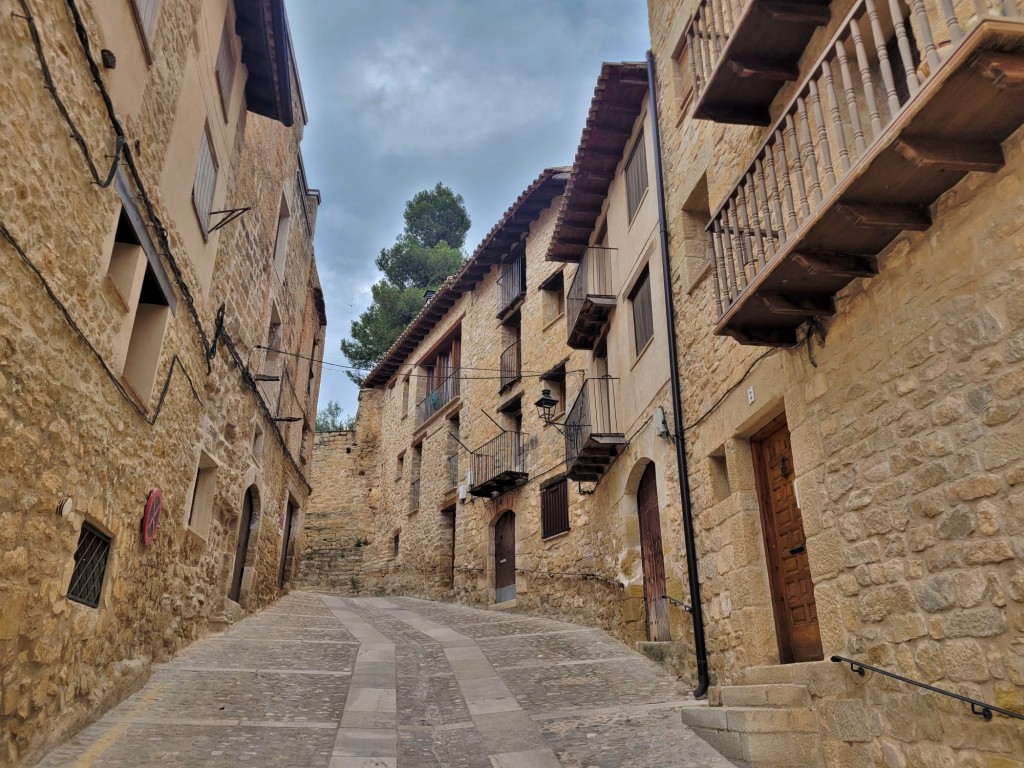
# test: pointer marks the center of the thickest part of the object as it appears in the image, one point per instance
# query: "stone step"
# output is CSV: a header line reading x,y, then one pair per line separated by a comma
x,y
821,678
765,695
758,737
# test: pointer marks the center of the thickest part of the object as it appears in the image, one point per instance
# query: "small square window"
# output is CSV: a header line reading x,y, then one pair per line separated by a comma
x,y
90,566
554,296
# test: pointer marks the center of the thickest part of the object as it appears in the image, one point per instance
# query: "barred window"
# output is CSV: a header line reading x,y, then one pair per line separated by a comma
x,y
636,176
206,180
643,320
90,566
554,509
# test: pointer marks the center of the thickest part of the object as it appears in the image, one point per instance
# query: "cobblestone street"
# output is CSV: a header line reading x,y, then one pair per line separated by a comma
x,y
354,683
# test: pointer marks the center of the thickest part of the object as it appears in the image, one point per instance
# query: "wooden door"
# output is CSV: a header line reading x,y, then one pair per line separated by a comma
x,y
505,558
789,573
283,572
242,549
652,557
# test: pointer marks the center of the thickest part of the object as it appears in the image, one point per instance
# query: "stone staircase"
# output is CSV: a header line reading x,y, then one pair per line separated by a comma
x,y
765,723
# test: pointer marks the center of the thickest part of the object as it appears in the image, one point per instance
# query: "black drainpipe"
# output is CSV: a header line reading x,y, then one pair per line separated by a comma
x,y
677,405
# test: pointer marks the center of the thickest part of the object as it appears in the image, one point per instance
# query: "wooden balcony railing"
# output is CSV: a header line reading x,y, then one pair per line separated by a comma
x,y
499,465
414,495
511,286
592,436
741,52
903,103
439,397
510,365
591,298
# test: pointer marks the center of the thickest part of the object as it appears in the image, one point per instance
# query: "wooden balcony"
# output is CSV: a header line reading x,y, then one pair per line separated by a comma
x,y
896,112
743,51
499,465
511,287
591,298
592,436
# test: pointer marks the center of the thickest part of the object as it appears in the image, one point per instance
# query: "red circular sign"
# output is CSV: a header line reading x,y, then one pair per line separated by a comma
x,y
151,517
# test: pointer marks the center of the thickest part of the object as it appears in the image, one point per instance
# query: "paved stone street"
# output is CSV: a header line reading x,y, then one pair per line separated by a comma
x,y
353,683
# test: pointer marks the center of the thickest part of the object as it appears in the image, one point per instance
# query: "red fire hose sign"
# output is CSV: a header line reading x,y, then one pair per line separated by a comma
x,y
151,517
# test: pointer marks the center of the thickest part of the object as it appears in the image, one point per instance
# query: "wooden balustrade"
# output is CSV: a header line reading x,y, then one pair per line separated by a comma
x,y
871,138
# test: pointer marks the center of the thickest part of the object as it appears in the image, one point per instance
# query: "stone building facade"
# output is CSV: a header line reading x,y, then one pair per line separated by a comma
x,y
846,216
159,310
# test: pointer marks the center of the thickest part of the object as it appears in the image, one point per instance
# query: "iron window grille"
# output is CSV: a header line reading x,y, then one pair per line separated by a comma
x,y
90,567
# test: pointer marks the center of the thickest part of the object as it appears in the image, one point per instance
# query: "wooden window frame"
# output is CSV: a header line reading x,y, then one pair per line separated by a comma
x,y
642,286
554,508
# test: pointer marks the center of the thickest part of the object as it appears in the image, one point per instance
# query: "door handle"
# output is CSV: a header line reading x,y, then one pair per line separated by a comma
x,y
798,549
503,561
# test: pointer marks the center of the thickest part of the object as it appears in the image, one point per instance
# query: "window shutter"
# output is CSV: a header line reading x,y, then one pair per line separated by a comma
x,y
206,180
554,509
636,176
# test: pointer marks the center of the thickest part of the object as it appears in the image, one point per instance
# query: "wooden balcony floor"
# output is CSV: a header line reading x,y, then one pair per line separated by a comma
x,y
500,483
595,456
591,321
953,126
759,57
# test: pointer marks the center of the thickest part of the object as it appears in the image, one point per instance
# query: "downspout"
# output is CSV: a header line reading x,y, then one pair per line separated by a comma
x,y
696,611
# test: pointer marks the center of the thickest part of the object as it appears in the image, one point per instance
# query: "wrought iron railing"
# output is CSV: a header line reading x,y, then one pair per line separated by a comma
x,y
876,64
452,465
511,284
414,495
505,453
592,413
438,397
593,278
511,367
979,708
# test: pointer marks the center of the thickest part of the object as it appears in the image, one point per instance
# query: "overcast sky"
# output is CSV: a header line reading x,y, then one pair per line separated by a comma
x,y
478,94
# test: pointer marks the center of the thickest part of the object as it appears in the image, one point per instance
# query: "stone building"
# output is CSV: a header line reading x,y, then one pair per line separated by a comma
x,y
845,213
159,310
457,481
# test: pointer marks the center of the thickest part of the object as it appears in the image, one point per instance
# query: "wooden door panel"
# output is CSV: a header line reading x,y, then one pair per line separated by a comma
x,y
652,557
505,557
796,615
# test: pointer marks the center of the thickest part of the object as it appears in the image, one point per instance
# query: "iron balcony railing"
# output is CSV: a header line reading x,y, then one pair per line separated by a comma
x,y
511,367
511,284
500,463
875,65
439,397
593,279
414,495
452,463
592,413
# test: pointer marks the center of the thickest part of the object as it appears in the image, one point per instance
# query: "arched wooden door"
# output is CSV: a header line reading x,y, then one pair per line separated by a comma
x,y
505,557
244,524
652,557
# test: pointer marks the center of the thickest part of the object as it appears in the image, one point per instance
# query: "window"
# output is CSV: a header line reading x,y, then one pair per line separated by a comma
x,y
400,465
394,544
636,176
414,471
148,327
146,12
126,260
554,380
281,243
257,444
226,65
203,490
554,508
683,79
405,396
205,181
554,296
90,566
643,321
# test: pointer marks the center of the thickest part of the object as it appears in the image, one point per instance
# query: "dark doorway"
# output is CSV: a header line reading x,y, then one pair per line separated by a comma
x,y
449,521
244,524
789,573
505,558
289,518
652,557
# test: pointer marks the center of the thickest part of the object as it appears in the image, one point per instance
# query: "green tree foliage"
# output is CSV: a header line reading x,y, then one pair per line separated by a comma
x,y
427,251
331,418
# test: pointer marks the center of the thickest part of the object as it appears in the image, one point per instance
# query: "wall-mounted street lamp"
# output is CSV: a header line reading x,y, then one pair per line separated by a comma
x,y
546,406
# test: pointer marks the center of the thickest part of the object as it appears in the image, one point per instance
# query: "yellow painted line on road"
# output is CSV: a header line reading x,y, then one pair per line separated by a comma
x,y
106,741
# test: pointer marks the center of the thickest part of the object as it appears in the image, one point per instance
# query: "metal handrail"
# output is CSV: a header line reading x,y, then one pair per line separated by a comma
x,y
511,367
453,470
414,495
593,278
511,284
439,397
504,453
593,412
979,708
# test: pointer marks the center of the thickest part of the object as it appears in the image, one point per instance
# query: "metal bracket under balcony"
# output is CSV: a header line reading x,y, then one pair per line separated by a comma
x,y
810,215
499,465
590,299
590,321
743,51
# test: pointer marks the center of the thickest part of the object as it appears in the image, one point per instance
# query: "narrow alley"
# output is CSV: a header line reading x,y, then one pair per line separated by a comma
x,y
359,682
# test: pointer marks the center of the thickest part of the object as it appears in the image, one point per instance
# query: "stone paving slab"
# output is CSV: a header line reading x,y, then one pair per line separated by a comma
x,y
332,682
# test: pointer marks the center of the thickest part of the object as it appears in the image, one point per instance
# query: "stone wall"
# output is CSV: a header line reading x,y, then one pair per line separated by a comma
x,y
73,424
907,442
